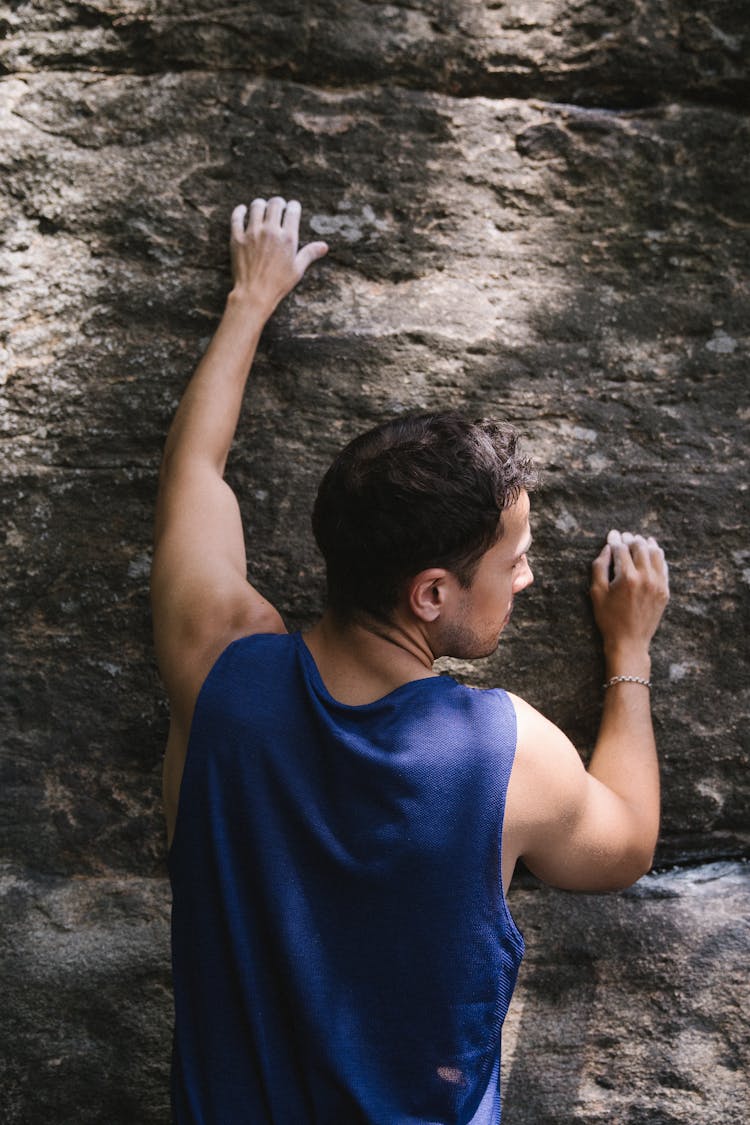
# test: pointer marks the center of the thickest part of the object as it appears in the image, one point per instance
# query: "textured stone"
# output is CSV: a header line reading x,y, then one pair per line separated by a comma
x,y
86,1018
629,1009
633,1008
578,270
534,209
628,54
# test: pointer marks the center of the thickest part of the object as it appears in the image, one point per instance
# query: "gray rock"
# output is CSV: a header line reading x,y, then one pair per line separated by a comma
x,y
629,1009
628,54
633,1008
577,270
86,1015
535,209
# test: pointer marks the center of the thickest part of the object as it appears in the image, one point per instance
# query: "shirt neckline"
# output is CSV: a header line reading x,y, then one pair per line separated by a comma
x,y
314,675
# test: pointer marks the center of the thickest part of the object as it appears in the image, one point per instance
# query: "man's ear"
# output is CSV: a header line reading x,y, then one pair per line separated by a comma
x,y
427,592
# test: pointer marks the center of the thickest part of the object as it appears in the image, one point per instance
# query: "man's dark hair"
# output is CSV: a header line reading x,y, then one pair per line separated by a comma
x,y
420,491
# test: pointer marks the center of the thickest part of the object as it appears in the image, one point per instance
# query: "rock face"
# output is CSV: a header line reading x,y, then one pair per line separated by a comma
x,y
633,1008
629,1009
86,1000
534,209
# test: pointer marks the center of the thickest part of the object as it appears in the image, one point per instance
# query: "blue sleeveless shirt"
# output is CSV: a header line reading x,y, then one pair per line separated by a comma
x,y
342,950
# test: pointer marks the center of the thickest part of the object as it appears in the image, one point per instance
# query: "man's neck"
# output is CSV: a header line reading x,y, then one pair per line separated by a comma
x,y
362,660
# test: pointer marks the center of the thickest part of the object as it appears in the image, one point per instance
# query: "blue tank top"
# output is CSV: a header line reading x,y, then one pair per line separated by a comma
x,y
342,950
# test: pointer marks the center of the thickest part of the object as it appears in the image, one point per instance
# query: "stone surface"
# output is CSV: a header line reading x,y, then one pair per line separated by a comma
x,y
579,271
593,53
629,1009
86,1014
534,209
633,1008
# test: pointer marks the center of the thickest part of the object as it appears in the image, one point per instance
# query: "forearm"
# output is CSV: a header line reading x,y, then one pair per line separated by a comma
x,y
624,758
206,419
629,590
266,265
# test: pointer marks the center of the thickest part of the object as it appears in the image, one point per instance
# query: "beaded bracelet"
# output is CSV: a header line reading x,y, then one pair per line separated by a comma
x,y
626,680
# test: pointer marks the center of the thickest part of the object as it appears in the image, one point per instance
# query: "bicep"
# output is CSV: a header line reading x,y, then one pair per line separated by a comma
x,y
201,598
570,830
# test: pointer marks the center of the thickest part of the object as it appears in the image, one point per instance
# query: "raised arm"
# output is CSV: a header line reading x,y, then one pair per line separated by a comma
x,y
201,598
596,829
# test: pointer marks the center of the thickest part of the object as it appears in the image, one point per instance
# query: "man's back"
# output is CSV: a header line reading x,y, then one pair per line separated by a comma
x,y
342,947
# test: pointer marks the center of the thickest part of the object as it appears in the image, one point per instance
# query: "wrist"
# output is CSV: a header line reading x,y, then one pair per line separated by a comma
x,y
244,303
627,660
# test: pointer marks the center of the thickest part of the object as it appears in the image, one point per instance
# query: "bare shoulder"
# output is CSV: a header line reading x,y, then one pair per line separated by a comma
x,y
539,741
548,779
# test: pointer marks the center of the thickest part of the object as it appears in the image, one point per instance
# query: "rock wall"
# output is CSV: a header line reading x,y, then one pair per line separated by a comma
x,y
535,209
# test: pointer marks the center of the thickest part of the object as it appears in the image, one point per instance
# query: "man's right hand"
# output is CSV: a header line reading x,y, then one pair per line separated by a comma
x,y
264,246
629,591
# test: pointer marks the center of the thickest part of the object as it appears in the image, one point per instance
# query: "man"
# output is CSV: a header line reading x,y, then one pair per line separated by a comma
x,y
349,821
